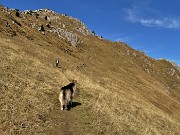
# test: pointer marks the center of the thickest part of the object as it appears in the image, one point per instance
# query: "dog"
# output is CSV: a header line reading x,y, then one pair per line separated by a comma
x,y
66,95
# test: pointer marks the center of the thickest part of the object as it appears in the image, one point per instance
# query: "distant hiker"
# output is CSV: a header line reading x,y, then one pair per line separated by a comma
x,y
57,63
67,94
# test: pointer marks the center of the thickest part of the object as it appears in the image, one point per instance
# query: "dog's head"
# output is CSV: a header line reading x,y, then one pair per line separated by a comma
x,y
74,81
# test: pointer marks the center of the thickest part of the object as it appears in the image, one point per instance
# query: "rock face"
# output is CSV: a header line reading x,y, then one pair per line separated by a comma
x,y
81,27
69,31
67,35
175,65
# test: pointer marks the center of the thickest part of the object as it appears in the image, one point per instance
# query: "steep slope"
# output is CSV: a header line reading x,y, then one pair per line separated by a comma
x,y
122,91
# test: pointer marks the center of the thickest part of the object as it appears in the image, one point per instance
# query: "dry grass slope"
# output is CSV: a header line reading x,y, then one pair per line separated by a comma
x,y
121,91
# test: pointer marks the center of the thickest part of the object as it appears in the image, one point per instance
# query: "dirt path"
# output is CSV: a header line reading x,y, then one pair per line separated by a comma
x,y
61,121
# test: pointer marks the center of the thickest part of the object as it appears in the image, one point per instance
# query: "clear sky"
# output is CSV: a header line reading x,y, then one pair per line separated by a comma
x,y
152,26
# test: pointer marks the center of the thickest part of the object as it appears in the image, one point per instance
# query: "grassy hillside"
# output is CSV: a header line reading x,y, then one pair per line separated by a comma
x,y
121,90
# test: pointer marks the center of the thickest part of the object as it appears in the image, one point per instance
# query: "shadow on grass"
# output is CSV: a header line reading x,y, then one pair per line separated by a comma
x,y
74,104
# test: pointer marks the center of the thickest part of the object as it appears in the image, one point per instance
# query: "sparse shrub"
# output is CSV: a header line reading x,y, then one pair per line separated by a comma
x,y
42,28
37,16
28,12
48,25
64,15
93,32
17,10
13,33
46,18
17,14
15,21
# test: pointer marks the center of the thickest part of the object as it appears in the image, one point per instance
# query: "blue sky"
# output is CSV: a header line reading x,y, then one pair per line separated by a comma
x,y
152,26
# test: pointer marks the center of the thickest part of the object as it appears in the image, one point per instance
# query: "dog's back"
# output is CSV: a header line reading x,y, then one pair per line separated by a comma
x,y
66,95
69,86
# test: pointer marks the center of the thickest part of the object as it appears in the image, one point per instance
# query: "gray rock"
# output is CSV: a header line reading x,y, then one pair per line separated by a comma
x,y
67,35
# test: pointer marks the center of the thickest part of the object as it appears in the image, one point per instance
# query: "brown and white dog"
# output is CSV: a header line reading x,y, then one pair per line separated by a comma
x,y
67,94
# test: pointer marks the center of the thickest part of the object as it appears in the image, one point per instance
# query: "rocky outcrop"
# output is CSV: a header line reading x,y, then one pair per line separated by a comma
x,y
49,21
67,35
82,28
175,65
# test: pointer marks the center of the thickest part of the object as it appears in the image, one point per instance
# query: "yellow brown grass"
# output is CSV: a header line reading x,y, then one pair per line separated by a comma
x,y
117,93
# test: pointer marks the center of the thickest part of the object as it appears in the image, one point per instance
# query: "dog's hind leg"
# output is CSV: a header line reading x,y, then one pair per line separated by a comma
x,y
66,107
62,106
